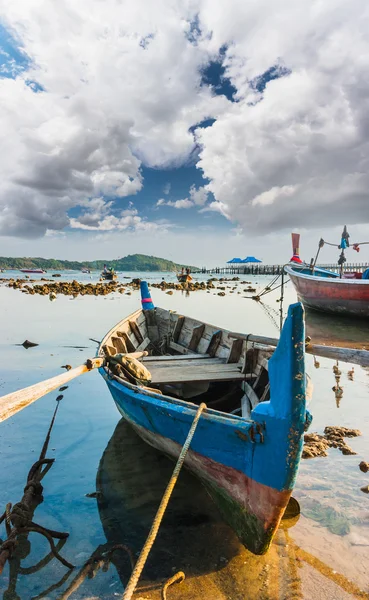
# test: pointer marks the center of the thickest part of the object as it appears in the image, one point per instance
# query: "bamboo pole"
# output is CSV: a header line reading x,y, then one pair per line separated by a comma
x,y
17,401
349,355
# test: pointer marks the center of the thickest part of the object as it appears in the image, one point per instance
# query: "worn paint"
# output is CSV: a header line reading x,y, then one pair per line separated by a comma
x,y
344,296
249,467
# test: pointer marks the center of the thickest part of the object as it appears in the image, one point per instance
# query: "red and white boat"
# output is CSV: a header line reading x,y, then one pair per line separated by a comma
x,y
32,271
323,290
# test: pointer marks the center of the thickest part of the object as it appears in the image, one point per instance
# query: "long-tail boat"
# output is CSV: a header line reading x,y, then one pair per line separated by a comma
x,y
184,277
159,366
345,293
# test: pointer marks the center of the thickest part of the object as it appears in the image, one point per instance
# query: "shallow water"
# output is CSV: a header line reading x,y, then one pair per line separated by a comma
x,y
325,554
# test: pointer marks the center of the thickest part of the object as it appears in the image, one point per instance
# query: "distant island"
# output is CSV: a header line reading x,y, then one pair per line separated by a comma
x,y
132,262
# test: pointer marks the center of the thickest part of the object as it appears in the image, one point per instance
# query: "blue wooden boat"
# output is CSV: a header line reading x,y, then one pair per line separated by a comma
x,y
248,443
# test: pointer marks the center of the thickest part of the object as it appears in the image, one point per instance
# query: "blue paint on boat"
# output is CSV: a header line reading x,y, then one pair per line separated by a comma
x,y
231,440
146,301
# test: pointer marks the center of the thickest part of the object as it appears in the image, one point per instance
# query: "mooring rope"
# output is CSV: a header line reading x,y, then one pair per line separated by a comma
x,y
131,586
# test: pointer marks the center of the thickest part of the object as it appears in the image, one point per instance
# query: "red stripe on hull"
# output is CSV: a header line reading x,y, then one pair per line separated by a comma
x,y
343,296
255,502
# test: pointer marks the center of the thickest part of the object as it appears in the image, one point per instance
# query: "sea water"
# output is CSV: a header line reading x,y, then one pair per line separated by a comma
x,y
105,484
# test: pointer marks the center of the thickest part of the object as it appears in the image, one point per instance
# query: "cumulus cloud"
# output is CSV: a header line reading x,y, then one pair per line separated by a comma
x,y
185,203
294,151
119,85
199,195
97,217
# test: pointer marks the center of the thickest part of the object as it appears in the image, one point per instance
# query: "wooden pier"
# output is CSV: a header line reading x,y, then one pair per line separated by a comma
x,y
260,269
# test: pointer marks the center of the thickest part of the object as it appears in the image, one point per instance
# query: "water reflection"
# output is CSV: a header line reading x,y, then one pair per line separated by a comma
x,y
337,330
130,482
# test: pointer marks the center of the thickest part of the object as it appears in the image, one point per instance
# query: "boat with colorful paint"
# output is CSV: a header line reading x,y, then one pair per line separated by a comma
x,y
247,446
184,278
32,271
327,291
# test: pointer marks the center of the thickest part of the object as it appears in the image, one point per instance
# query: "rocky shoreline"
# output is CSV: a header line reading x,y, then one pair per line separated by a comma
x,y
52,288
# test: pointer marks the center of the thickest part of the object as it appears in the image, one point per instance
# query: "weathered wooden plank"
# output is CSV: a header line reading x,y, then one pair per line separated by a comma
x,y
196,337
178,347
214,343
109,350
152,326
176,357
119,344
144,344
195,364
129,344
168,376
177,328
136,331
235,352
350,355
202,369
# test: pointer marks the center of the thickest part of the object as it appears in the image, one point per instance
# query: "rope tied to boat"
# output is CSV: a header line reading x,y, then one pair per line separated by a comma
x,y
18,519
132,583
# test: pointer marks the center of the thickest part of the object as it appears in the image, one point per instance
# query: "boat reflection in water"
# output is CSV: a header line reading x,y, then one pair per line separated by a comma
x,y
193,538
337,330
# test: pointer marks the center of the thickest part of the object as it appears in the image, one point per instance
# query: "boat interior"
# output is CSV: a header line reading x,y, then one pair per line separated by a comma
x,y
189,360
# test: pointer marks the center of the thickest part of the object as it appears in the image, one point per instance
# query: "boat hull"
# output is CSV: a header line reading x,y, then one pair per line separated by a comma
x,y
248,465
342,296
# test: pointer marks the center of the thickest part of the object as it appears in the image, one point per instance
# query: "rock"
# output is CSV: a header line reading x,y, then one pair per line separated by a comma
x,y
67,367
365,489
221,293
27,344
170,292
317,445
364,466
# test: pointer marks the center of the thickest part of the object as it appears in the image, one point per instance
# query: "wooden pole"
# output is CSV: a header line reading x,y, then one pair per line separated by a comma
x,y
350,355
16,401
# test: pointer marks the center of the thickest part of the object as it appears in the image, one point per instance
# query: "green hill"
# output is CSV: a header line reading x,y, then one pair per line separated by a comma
x,y
132,262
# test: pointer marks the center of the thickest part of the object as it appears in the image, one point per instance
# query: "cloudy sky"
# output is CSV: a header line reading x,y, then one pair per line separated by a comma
x,y
190,129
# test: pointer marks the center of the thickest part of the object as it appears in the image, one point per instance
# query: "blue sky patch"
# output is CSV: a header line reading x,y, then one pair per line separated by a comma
x,y
214,75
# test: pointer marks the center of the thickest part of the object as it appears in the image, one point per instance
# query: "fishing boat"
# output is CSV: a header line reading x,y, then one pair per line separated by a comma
x,y
85,271
159,366
32,271
109,275
184,277
327,291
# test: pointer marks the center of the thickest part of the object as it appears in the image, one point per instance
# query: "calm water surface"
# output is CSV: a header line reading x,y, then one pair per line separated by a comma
x,y
324,555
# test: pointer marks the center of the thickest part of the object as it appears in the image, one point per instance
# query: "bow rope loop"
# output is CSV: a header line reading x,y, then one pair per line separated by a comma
x,y
131,586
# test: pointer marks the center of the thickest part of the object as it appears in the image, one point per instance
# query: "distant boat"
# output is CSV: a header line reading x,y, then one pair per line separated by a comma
x,y
85,271
247,448
324,290
184,277
32,271
109,275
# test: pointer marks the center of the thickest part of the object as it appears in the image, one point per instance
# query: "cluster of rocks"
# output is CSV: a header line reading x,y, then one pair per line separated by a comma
x,y
67,288
51,288
317,445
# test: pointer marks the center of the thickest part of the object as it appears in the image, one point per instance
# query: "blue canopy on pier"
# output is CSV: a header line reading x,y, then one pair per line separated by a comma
x,y
235,260
251,259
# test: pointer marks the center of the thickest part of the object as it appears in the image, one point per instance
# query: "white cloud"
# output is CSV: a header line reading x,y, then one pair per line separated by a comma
x,y
306,134
122,88
199,195
97,217
185,203
166,188
270,196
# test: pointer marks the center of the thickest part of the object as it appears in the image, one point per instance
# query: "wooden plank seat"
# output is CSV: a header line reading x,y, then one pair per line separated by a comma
x,y
209,369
